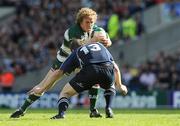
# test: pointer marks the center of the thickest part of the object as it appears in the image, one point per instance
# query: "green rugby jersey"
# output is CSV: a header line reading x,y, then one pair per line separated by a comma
x,y
76,32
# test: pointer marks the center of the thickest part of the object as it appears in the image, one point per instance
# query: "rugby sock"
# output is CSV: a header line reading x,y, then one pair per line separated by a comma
x,y
93,94
32,98
109,95
63,105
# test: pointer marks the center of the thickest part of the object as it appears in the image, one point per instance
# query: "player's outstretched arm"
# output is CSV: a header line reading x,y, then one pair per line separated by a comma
x,y
118,82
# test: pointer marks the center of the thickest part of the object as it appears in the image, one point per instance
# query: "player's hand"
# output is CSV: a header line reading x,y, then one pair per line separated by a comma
x,y
104,40
123,89
36,90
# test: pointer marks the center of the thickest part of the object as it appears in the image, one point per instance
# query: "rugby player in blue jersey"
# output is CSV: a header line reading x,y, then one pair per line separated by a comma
x,y
97,66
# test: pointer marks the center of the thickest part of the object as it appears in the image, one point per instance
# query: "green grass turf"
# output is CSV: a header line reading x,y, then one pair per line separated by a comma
x,y
80,117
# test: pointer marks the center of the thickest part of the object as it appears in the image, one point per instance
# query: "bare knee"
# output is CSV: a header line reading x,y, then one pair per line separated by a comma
x,y
66,94
67,91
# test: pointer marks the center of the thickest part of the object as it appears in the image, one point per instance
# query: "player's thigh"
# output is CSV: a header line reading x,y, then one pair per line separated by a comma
x,y
83,80
108,78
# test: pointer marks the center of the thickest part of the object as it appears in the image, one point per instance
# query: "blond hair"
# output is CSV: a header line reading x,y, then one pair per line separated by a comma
x,y
84,12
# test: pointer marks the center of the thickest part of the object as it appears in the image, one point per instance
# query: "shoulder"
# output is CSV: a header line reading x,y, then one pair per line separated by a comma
x,y
70,32
75,31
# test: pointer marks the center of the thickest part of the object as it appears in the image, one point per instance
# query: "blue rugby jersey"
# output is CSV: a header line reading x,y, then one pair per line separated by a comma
x,y
88,54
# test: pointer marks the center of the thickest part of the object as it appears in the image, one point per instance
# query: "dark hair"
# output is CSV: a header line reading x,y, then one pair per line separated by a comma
x,y
75,43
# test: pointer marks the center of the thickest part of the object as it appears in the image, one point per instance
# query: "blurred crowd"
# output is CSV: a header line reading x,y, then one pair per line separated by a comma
x,y
30,36
161,73
29,39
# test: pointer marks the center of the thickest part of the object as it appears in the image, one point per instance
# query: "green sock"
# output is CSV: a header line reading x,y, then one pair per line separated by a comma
x,y
32,98
93,94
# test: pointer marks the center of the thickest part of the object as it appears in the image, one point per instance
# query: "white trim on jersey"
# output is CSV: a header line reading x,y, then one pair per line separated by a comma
x,y
66,49
66,35
61,58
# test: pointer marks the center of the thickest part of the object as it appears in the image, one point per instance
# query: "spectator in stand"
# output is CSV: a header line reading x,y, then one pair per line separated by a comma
x,y
147,78
126,74
113,27
136,6
159,1
140,26
129,27
149,3
175,80
6,81
134,83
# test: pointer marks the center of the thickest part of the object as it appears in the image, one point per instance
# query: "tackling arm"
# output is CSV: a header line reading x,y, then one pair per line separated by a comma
x,y
118,82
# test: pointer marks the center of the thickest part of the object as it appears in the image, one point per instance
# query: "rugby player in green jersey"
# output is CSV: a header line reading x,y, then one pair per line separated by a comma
x,y
86,30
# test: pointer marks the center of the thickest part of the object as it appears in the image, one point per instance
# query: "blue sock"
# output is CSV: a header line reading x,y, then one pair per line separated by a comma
x,y
109,95
63,105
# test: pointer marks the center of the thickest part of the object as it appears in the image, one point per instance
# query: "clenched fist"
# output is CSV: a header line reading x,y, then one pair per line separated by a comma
x,y
123,89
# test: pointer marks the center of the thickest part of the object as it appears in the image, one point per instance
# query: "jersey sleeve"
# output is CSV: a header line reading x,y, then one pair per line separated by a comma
x,y
70,64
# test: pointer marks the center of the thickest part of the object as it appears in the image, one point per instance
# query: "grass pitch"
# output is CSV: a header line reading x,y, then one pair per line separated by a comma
x,y
80,117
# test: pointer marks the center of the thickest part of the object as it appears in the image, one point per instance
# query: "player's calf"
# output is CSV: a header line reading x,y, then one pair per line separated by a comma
x,y
93,94
109,95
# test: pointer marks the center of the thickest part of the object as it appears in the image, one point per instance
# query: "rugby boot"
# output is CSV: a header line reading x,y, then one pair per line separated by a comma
x,y
109,113
95,114
17,114
58,116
